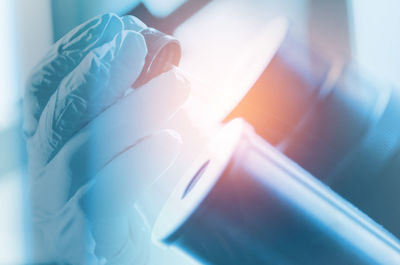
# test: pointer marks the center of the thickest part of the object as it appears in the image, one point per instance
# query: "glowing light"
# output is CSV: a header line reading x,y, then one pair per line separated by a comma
x,y
225,59
8,84
376,37
11,225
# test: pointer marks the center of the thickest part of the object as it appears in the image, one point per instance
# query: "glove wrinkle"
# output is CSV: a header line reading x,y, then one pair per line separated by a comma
x,y
92,147
99,81
63,57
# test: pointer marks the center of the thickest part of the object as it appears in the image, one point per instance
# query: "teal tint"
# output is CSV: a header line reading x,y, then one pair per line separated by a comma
x,y
376,36
12,193
68,14
162,8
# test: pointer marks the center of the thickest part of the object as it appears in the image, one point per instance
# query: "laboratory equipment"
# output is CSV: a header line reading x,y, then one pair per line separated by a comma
x,y
244,202
334,120
265,208
327,115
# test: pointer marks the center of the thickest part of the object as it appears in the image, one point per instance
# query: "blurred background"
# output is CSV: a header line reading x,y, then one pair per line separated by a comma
x,y
366,32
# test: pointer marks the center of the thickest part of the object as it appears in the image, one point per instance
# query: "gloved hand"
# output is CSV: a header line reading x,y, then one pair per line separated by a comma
x,y
93,148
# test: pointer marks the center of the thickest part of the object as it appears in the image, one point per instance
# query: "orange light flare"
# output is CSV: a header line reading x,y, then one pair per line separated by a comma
x,y
222,64
223,71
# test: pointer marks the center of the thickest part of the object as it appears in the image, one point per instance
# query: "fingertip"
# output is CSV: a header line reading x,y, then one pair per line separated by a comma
x,y
108,15
91,34
113,21
132,23
133,43
155,153
174,85
157,100
184,83
129,60
111,18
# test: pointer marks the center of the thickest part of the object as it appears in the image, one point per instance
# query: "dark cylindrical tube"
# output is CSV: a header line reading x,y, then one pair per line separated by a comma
x,y
244,202
335,121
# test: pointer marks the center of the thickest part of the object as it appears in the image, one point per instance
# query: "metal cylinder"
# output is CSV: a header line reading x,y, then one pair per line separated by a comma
x,y
163,52
333,120
244,202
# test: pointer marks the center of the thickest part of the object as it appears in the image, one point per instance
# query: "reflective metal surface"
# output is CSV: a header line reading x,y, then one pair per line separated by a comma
x,y
334,121
243,202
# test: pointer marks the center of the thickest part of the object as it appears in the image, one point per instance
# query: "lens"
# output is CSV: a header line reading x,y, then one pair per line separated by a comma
x,y
254,206
195,178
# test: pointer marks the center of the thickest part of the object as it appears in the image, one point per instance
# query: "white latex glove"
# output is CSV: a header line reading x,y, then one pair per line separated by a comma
x,y
93,148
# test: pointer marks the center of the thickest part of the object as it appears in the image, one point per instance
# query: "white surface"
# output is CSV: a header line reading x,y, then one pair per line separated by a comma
x,y
180,207
8,84
25,36
376,37
33,30
11,219
225,50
